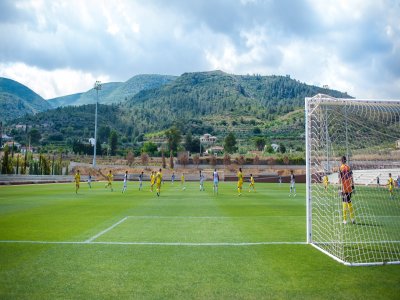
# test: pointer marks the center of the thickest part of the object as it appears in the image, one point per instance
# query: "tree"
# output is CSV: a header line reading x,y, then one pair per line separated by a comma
x,y
227,159
282,148
196,159
183,158
34,136
230,143
174,137
144,157
98,147
212,160
164,163
241,160
188,141
104,134
113,143
149,148
256,130
270,149
192,144
260,143
171,160
6,167
130,158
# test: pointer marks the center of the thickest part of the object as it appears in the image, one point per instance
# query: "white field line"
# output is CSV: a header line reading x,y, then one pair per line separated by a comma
x,y
105,230
209,217
157,243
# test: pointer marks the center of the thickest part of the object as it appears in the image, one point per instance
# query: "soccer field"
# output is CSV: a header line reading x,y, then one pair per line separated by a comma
x,y
182,245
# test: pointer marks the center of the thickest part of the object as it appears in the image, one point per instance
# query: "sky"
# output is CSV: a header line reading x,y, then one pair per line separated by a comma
x,y
60,47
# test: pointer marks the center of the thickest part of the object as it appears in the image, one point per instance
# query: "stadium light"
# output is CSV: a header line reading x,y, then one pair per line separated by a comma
x,y
97,87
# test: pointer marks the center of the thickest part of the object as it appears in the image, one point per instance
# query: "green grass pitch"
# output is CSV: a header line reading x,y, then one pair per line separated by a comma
x,y
187,244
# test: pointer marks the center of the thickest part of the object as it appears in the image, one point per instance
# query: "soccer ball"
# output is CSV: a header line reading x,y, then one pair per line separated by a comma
x,y
184,188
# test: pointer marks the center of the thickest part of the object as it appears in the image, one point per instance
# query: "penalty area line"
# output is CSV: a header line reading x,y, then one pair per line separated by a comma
x,y
105,231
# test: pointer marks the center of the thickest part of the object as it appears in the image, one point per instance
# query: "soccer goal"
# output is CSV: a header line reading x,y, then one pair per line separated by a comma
x,y
367,133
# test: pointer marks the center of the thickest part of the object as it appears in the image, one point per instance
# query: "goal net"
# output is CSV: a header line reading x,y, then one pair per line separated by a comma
x,y
367,134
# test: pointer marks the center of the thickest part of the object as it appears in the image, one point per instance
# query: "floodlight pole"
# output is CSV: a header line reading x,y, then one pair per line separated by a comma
x,y
97,87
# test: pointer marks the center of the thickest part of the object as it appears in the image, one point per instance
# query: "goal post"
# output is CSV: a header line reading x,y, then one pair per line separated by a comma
x,y
367,134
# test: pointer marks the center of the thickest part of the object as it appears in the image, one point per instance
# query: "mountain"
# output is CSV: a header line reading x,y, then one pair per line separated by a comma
x,y
114,92
214,102
16,100
220,101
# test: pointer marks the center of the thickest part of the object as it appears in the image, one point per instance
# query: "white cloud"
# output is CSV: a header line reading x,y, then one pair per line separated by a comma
x,y
50,84
351,45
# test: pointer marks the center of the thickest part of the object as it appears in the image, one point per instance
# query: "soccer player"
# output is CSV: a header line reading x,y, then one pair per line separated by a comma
x,y
216,181
125,181
89,181
240,181
173,178
109,181
183,182
326,182
292,184
158,179
377,181
140,181
152,180
390,185
347,188
201,182
77,181
251,185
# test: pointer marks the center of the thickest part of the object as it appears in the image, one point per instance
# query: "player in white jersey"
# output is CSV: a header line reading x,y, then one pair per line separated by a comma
x,y
201,181
292,184
216,180
140,181
89,181
125,181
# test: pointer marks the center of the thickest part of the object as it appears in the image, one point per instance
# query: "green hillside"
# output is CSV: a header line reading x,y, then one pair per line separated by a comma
x,y
222,102
114,92
16,100
207,102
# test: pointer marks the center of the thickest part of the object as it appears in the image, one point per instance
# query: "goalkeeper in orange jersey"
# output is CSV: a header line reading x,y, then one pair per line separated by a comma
x,y
390,185
240,181
251,185
77,181
347,189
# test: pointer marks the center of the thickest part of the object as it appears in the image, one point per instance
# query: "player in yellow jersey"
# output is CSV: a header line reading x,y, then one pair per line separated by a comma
x,y
251,185
183,182
77,181
390,185
347,188
158,182
109,181
326,182
152,180
240,181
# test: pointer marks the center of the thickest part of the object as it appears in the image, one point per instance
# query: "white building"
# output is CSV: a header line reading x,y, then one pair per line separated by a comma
x,y
208,139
